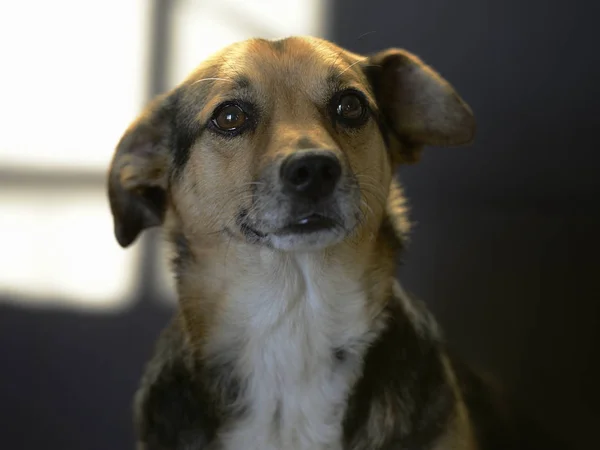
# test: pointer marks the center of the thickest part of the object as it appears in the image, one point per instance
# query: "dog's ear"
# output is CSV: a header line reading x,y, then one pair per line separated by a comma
x,y
138,175
418,106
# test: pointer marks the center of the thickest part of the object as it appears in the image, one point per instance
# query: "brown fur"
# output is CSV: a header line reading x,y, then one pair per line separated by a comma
x,y
197,192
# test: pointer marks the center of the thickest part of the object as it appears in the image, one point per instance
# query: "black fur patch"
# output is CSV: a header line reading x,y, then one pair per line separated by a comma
x,y
404,376
183,253
173,405
182,402
373,74
186,131
340,354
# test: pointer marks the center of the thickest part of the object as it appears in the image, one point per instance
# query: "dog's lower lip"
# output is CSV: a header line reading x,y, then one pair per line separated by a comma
x,y
309,224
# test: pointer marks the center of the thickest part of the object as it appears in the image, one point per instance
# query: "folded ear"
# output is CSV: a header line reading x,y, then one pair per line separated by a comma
x,y
418,105
138,175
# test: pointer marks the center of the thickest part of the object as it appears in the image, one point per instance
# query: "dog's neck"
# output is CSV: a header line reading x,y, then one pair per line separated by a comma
x,y
221,282
224,283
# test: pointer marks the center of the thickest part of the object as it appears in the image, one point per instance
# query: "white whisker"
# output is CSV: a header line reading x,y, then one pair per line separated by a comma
x,y
213,79
350,66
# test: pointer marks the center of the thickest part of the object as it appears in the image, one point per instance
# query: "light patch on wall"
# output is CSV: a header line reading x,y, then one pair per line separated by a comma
x,y
57,248
202,28
71,79
74,76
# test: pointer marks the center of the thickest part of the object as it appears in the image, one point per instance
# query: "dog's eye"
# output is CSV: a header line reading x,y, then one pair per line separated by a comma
x,y
351,109
230,118
350,106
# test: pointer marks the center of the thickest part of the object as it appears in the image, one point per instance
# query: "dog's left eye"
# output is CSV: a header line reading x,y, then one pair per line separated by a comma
x,y
229,117
350,108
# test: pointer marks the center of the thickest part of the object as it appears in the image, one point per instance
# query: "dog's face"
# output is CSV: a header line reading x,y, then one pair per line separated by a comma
x,y
289,144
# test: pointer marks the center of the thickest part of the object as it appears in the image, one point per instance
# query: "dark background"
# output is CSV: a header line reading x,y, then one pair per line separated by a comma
x,y
505,249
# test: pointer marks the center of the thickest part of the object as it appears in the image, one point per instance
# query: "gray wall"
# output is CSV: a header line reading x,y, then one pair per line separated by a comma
x,y
506,249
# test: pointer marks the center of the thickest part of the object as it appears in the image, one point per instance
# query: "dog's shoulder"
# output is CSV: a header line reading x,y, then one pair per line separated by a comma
x,y
173,407
403,395
414,389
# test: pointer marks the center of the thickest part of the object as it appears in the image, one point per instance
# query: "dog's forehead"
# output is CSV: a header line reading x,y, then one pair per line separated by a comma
x,y
294,61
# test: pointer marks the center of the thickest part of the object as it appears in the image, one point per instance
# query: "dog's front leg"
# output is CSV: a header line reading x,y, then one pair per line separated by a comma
x,y
173,409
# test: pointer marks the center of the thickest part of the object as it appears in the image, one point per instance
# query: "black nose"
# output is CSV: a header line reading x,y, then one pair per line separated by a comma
x,y
312,175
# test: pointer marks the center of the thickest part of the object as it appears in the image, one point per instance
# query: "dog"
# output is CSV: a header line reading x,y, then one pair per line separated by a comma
x,y
271,171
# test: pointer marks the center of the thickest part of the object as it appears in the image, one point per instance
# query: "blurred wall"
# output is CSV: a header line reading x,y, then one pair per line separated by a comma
x,y
504,250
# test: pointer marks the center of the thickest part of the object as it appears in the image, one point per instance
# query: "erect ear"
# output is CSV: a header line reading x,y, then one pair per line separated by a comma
x,y
418,105
138,175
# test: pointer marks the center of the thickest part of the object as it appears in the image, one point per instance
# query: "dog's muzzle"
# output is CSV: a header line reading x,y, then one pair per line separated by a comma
x,y
309,200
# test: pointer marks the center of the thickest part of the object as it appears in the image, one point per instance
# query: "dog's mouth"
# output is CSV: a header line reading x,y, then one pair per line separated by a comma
x,y
308,224
312,223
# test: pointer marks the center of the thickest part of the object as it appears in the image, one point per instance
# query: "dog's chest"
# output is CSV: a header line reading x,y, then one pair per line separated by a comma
x,y
300,356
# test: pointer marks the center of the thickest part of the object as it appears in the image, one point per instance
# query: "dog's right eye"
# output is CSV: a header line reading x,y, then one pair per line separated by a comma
x,y
229,118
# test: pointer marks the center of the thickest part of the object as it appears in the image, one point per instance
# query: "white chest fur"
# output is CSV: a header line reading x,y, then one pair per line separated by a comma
x,y
289,329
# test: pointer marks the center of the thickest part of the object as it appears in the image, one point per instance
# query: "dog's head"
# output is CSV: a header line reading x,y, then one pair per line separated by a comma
x,y
289,144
